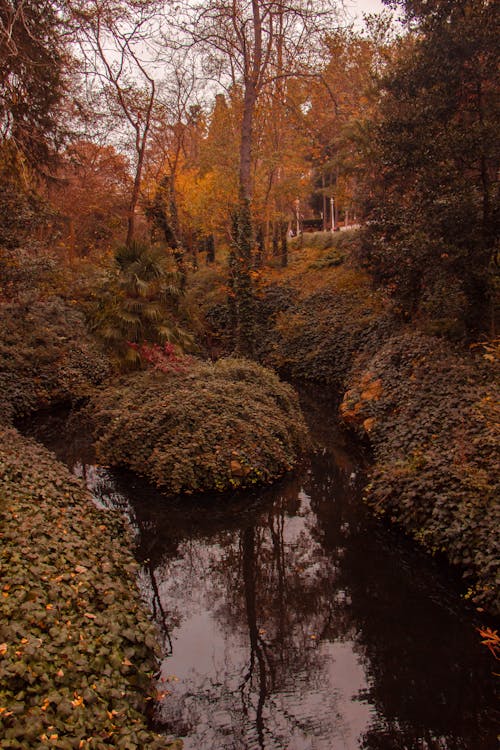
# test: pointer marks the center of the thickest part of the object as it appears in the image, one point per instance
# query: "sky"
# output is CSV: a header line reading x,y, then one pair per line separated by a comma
x,y
358,7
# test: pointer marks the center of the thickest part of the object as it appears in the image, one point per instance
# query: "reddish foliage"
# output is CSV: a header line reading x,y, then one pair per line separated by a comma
x,y
161,357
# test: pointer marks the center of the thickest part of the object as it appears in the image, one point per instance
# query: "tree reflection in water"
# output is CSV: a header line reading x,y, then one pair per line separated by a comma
x,y
294,621
302,623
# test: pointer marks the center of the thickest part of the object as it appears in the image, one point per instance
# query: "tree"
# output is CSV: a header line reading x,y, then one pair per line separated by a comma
x,y
138,304
23,211
33,76
253,44
91,194
436,156
113,38
175,135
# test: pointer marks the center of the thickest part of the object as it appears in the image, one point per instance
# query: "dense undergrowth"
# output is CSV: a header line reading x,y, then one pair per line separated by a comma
x,y
46,355
426,405
201,426
76,646
431,414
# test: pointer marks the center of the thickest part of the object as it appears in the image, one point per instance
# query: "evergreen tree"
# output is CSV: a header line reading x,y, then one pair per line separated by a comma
x,y
437,154
33,58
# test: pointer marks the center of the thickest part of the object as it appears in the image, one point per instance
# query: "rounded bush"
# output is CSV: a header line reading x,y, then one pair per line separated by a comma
x,y
210,427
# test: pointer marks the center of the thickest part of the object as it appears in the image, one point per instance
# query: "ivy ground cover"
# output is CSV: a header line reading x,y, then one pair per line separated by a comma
x,y
76,645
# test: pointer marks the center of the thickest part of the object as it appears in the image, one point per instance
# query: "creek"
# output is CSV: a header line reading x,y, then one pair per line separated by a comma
x,y
291,619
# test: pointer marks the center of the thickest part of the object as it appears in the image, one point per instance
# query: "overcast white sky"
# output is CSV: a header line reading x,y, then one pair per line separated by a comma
x,y
358,7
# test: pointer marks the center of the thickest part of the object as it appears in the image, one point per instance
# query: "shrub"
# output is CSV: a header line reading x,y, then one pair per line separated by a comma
x,y
431,415
76,646
46,355
214,427
325,240
319,336
138,305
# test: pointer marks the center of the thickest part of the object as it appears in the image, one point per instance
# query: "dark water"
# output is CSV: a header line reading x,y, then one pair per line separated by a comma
x,y
292,620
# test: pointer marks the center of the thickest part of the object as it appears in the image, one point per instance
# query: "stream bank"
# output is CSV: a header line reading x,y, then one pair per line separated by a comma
x,y
76,643
427,405
292,618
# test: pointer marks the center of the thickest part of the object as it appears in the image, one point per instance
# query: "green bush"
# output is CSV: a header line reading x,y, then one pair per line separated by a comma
x,y
332,259
138,304
46,355
339,241
319,336
433,425
76,646
208,427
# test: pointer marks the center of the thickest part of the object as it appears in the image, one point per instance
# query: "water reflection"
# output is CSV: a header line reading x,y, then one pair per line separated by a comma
x,y
292,620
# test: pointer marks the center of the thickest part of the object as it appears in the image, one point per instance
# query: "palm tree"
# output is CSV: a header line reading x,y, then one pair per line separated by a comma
x,y
139,304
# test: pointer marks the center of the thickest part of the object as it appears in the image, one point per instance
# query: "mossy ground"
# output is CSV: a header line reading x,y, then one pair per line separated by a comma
x,y
201,428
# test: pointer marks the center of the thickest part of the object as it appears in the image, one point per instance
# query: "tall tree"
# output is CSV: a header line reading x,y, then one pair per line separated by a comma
x,y
437,158
34,56
114,39
252,44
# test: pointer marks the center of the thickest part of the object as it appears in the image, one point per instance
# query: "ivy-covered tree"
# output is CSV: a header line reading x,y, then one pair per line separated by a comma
x,y
436,158
252,45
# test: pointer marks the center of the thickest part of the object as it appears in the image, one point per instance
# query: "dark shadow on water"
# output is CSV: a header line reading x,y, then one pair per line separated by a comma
x,y
291,619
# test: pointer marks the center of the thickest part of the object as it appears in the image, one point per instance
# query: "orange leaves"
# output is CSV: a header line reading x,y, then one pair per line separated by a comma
x,y
491,640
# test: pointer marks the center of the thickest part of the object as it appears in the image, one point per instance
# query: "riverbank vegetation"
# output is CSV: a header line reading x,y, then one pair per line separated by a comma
x,y
155,245
76,645
426,405
201,426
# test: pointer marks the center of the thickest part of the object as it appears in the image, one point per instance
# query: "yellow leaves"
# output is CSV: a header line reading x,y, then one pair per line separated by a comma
x,y
3,648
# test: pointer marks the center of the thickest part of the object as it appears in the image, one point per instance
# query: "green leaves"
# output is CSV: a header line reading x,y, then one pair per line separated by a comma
x,y
76,646
232,424
435,444
139,304
46,356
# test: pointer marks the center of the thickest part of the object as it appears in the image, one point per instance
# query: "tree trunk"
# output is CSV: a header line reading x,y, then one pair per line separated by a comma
x,y
245,174
210,249
133,205
283,245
